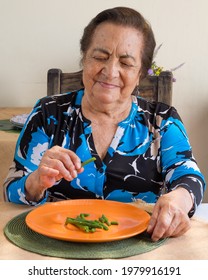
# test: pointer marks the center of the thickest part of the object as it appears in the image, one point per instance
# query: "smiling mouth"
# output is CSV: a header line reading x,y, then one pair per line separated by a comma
x,y
108,85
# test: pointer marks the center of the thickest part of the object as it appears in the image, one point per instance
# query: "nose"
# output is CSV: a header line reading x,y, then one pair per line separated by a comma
x,y
111,69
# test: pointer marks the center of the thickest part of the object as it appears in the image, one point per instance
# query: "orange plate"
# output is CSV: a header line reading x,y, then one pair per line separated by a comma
x,y
49,219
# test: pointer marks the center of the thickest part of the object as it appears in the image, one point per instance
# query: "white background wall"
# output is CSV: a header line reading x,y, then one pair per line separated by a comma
x,y
36,35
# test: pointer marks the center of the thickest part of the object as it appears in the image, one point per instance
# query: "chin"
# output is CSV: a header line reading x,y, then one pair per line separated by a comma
x,y
107,98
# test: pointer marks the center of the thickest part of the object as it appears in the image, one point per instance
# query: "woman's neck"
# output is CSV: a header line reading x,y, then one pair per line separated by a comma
x,y
113,113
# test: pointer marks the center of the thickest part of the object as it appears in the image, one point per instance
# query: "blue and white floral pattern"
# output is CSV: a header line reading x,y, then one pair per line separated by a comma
x,y
149,154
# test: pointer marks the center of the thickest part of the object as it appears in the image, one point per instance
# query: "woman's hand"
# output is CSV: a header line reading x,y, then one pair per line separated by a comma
x,y
57,163
170,215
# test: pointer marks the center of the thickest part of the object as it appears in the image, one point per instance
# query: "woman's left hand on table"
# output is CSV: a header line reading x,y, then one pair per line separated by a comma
x,y
170,215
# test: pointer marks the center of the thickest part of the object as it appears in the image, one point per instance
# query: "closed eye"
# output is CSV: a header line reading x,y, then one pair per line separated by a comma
x,y
127,64
100,58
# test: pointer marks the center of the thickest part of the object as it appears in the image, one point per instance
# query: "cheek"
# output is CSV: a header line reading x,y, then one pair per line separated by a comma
x,y
90,68
87,76
90,73
131,80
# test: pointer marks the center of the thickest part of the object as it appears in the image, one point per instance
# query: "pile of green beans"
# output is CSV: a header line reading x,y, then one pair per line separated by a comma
x,y
90,225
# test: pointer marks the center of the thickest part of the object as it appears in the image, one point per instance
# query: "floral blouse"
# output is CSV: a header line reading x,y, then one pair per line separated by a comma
x,y
150,153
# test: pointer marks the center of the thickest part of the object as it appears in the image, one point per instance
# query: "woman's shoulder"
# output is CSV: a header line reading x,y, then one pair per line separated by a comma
x,y
72,98
156,108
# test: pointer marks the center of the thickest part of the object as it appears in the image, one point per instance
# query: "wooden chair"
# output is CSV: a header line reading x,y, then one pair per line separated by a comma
x,y
152,88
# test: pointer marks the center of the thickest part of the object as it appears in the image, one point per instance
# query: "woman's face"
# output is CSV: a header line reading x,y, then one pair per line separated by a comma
x,y
111,65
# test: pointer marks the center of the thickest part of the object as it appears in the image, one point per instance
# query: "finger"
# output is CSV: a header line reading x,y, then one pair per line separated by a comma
x,y
66,161
181,231
64,165
70,160
164,221
153,219
47,176
178,226
61,171
75,160
45,170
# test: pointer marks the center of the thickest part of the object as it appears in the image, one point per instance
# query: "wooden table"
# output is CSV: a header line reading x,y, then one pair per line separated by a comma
x,y
191,246
7,142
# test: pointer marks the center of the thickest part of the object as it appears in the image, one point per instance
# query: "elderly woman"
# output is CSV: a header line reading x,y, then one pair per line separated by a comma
x,y
142,150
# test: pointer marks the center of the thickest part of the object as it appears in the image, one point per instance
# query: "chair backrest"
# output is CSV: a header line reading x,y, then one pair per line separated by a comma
x,y
152,88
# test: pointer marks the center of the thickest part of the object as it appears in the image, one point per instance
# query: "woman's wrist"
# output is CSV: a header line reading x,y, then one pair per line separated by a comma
x,y
187,198
34,191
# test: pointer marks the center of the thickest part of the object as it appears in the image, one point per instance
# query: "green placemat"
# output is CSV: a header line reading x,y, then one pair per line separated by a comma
x,y
21,235
6,125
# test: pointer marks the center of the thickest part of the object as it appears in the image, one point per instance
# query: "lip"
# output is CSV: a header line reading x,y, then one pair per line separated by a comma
x,y
108,85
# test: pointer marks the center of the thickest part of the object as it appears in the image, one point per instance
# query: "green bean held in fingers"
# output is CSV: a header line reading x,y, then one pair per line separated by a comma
x,y
88,161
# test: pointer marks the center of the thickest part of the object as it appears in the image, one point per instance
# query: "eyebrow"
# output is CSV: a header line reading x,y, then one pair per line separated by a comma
x,y
101,50
107,52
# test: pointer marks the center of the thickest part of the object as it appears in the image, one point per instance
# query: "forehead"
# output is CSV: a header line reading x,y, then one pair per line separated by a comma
x,y
122,38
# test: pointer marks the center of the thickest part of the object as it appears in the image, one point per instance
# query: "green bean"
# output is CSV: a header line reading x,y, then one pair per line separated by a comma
x,y
114,223
88,161
83,215
101,220
90,225
105,220
86,225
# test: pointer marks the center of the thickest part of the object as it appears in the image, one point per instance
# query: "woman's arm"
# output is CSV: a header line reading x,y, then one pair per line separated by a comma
x,y
170,214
